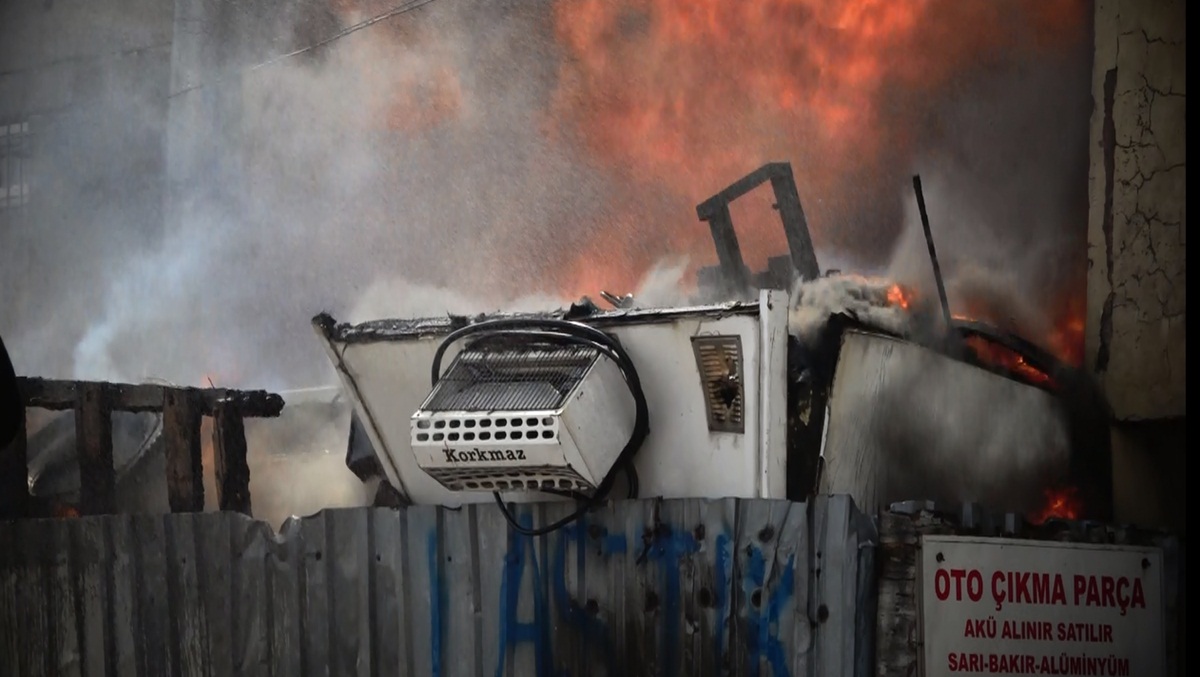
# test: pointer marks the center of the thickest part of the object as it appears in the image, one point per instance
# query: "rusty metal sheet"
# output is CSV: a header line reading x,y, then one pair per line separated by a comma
x,y
651,587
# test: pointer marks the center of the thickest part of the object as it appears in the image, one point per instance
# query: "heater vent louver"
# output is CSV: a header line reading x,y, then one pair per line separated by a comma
x,y
523,479
511,379
515,415
719,361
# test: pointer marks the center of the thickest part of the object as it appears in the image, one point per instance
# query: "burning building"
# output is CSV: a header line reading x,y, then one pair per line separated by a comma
x,y
301,158
843,385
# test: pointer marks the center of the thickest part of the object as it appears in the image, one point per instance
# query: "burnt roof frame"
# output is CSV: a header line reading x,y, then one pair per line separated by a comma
x,y
715,212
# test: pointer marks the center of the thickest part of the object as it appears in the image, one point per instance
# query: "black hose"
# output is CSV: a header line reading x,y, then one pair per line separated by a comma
x,y
568,332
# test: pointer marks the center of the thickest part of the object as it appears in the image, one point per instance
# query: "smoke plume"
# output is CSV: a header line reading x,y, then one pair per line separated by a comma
x,y
869,300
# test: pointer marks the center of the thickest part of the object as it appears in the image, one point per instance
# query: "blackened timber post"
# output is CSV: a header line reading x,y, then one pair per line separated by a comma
x,y
229,451
94,447
181,419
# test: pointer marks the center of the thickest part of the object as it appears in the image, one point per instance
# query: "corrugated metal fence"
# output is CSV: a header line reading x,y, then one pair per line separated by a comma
x,y
727,587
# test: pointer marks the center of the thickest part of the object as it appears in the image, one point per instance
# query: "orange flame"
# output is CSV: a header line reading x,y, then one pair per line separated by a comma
x,y
691,94
64,511
999,356
898,296
1061,503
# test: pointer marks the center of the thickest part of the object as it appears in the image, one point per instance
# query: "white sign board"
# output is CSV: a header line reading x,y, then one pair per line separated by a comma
x,y
994,606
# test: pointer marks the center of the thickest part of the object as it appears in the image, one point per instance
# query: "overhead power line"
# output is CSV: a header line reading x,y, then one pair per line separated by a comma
x,y
367,23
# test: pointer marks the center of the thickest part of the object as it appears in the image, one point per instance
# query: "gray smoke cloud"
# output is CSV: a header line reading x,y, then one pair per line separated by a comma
x,y
865,299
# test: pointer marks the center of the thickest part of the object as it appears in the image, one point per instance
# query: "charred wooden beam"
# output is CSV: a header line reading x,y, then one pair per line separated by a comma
x,y
715,211
181,433
229,451
63,395
933,259
795,224
15,500
729,253
93,443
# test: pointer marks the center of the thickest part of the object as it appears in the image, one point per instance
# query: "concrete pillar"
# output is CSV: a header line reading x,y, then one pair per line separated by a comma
x,y
1137,270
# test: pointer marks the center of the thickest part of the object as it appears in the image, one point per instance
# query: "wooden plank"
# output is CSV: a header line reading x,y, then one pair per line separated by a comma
x,y
425,590
715,536
186,594
636,523
795,225
314,596
34,628
285,622
153,589
181,433
214,564
62,599
229,455
62,395
251,597
787,605
349,592
122,612
10,610
491,543
93,444
389,640
564,573
462,604
89,552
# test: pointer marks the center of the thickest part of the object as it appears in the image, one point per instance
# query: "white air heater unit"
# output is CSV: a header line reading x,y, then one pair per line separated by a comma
x,y
524,415
713,398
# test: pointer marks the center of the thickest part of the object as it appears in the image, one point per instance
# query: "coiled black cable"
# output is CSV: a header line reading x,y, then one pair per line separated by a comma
x,y
565,332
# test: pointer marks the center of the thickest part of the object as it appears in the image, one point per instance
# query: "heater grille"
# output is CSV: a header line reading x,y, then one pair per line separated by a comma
x,y
484,428
719,360
511,379
517,479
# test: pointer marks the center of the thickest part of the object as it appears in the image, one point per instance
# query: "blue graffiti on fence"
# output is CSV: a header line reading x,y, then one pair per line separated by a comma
x,y
666,548
763,622
590,628
721,583
437,597
512,631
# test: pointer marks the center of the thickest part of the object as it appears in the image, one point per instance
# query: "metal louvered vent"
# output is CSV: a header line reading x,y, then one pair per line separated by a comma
x,y
719,361
521,413
518,378
519,479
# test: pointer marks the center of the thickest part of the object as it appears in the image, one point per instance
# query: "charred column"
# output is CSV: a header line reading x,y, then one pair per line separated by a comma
x,y
181,432
93,442
229,450
795,224
715,212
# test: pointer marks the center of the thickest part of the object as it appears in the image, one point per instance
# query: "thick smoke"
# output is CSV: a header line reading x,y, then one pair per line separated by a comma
x,y
866,299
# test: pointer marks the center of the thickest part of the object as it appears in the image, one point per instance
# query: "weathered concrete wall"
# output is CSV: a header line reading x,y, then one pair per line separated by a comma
x,y
1137,231
1137,227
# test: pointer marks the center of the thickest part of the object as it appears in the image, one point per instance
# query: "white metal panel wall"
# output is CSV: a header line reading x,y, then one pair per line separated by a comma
x,y
680,458
907,422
